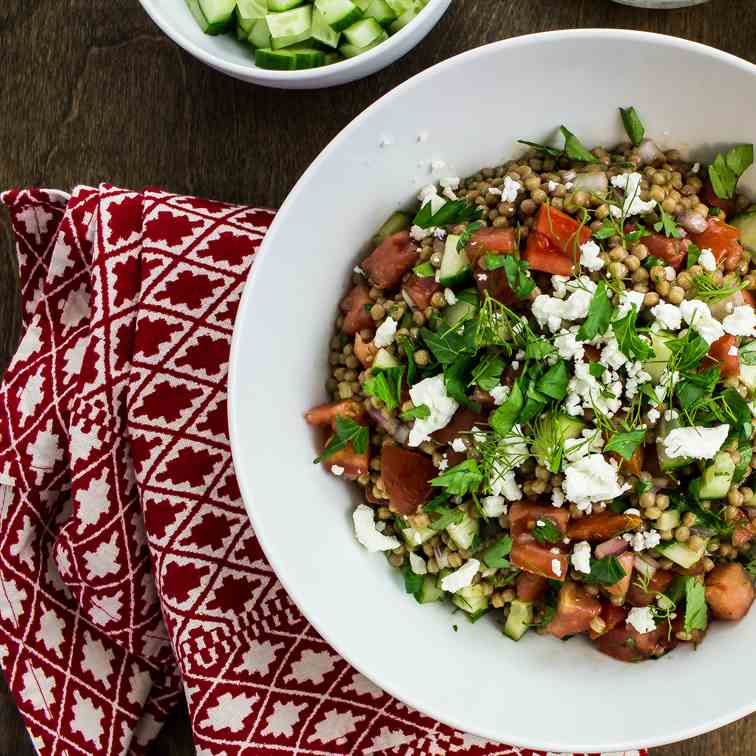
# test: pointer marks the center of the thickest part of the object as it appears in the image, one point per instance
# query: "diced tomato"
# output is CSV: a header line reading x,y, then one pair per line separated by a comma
x,y
420,290
575,611
390,260
496,284
530,556
530,587
493,239
483,397
621,587
602,526
542,255
721,239
729,591
492,281
592,353
356,317
619,644
406,475
353,464
463,422
562,230
612,615
325,414
744,531
365,351
719,354
659,583
524,516
632,466
672,251
709,197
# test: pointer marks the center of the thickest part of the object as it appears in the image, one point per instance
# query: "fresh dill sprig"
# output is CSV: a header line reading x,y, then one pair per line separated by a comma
x,y
707,290
500,326
501,455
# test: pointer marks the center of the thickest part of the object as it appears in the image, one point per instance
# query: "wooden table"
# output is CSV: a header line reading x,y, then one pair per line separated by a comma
x,y
92,91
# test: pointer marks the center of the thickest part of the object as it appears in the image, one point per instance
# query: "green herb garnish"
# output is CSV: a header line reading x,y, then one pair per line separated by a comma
x,y
596,369
625,443
385,384
653,262
420,412
553,383
633,125
517,272
668,225
575,149
693,254
546,532
466,235
628,340
606,571
487,372
504,417
424,270
707,290
412,582
347,431
599,315
495,555
727,168
409,350
696,611
460,479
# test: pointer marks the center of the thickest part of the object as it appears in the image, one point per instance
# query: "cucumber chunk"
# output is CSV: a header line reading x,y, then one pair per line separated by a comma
x,y
556,429
746,222
455,266
381,11
395,223
463,533
260,36
290,27
415,537
275,60
717,477
251,10
668,520
519,620
429,591
218,12
681,554
364,32
384,360
204,23
655,365
339,14
400,6
349,50
459,312
322,32
279,6
405,18
748,372
471,599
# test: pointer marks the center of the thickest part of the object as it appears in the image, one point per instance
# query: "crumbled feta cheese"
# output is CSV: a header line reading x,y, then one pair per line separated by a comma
x,y
581,557
385,333
448,192
450,297
367,535
590,256
558,284
493,506
449,182
462,577
337,470
585,392
627,299
458,445
494,190
707,260
515,365
357,269
698,315
643,541
742,321
556,567
642,619
430,194
540,523
482,277
443,463
499,394
732,351
611,355
671,414
668,316
557,497
592,479
439,233
653,416
432,393
633,204
669,273
568,346
552,185
696,442
589,442
418,233
510,189
550,311
505,484
418,564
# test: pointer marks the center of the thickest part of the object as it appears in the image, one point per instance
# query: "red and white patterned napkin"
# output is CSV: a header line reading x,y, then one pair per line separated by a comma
x,y
128,568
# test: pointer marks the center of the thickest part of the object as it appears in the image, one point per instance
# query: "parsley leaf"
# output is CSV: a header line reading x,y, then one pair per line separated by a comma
x,y
460,479
488,372
696,614
424,270
596,369
385,384
409,350
347,431
420,412
446,517
727,168
628,340
466,235
575,149
668,225
625,443
412,583
599,315
548,532
503,419
448,345
553,383
693,254
605,231
456,379
495,555
643,486
517,272
688,351
653,262
606,571
450,213
537,349
633,125
693,387
542,148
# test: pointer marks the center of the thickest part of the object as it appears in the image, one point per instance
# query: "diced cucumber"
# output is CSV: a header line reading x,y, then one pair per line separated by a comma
x,y
681,554
362,4
554,431
429,591
204,24
385,360
668,520
339,13
746,222
465,308
748,371
275,60
519,620
407,17
251,10
242,34
399,6
665,461
395,223
717,477
322,32
332,57
218,13
260,36
381,11
415,537
307,57
455,265
364,32
471,599
655,365
244,27
463,533
279,6
290,27
349,50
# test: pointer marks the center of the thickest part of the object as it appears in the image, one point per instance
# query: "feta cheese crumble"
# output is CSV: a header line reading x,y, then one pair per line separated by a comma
x,y
590,480
418,233
696,441
707,260
741,322
510,189
557,497
653,416
449,182
450,297
458,445
590,441
581,557
556,567
499,394
642,619
590,256
504,484
633,204
386,332
732,351
668,316
642,541
568,346
432,393
493,506
462,577
627,299
337,470
698,315
367,535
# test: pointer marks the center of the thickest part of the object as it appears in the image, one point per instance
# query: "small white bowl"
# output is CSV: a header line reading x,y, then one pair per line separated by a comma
x,y
226,54
467,111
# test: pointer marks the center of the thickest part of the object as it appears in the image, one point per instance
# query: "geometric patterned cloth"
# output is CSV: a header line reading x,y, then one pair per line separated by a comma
x,y
129,572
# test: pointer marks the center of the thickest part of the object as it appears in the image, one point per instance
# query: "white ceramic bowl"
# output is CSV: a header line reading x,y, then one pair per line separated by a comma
x,y
224,53
472,108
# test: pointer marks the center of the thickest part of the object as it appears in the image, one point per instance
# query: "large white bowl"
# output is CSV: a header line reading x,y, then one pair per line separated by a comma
x,y
472,108
225,54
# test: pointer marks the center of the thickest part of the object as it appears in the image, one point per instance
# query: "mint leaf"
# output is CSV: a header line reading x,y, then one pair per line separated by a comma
x,y
542,148
606,571
488,372
628,340
625,443
727,168
460,479
575,149
495,555
696,612
633,126
553,383
412,583
599,315
347,431
385,384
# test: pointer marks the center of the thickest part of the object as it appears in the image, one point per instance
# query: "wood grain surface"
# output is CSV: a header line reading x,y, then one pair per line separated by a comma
x,y
92,91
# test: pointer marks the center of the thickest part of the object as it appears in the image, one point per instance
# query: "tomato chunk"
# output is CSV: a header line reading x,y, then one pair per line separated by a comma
x,y
391,259
464,421
353,464
612,615
709,197
325,414
672,251
622,586
721,239
719,354
492,281
365,351
532,557
494,239
406,475
542,255
524,516
356,317
659,583
627,644
729,591
562,230
530,587
575,611
602,526
420,290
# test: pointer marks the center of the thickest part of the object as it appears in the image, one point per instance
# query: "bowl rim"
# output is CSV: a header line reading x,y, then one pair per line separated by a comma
x,y
254,280
155,9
